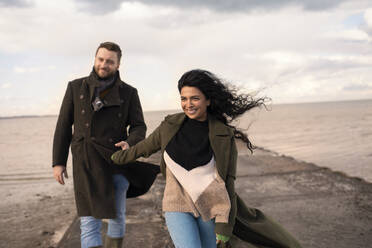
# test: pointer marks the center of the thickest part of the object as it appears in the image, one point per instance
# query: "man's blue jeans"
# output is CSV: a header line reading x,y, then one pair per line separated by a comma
x,y
91,227
187,231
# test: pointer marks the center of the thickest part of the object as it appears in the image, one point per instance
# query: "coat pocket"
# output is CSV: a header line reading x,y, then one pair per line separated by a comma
x,y
76,144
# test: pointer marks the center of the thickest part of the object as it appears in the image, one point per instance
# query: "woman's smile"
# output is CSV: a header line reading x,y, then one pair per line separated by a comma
x,y
194,103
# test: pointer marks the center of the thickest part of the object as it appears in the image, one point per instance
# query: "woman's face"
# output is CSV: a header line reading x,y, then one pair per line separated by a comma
x,y
194,103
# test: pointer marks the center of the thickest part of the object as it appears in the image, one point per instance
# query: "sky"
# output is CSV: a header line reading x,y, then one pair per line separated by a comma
x,y
291,51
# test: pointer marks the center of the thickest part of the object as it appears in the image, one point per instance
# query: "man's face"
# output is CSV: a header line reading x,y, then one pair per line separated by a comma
x,y
106,63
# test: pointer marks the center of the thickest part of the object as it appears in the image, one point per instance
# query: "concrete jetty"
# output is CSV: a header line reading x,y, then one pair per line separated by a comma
x,y
320,207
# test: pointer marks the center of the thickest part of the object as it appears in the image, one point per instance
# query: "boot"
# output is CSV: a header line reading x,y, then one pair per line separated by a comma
x,y
113,242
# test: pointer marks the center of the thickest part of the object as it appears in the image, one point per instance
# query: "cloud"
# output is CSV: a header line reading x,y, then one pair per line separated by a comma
x,y
336,64
21,70
368,17
6,86
104,7
289,51
357,87
99,7
368,20
351,35
15,3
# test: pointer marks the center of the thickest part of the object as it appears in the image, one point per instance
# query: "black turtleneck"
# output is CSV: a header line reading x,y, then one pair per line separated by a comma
x,y
190,147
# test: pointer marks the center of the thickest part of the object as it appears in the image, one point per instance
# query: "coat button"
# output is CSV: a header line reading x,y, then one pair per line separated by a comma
x,y
87,125
111,140
81,96
93,138
121,86
120,115
121,101
104,101
82,111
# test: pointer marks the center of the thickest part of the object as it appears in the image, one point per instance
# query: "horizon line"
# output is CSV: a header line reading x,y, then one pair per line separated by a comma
x,y
159,110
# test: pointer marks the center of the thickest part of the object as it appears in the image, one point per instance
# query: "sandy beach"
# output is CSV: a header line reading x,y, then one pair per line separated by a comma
x,y
39,221
34,210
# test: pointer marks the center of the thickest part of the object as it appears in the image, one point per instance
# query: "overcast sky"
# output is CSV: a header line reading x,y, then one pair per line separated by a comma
x,y
290,50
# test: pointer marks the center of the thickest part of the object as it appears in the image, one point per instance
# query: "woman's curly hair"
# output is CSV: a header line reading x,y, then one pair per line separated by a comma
x,y
225,102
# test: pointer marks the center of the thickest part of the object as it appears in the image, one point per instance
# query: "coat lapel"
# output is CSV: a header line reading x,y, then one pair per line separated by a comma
x,y
84,96
112,98
220,140
174,123
92,86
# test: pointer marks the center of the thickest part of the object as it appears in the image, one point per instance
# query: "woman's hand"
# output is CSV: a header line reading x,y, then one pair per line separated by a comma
x,y
223,241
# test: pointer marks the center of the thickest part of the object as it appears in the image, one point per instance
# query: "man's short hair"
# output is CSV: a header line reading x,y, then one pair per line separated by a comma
x,y
111,46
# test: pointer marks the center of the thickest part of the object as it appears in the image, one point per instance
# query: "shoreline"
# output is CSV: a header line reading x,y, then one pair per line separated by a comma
x,y
314,164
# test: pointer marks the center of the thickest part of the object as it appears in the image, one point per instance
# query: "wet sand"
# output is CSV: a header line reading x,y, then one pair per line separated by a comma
x,y
34,211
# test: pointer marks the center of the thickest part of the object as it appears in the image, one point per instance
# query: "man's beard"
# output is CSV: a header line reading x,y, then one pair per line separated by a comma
x,y
109,75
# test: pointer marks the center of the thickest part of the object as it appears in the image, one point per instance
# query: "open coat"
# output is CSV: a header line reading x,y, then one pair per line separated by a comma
x,y
92,136
248,224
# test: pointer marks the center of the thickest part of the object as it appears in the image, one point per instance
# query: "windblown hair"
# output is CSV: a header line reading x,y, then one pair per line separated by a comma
x,y
225,102
111,46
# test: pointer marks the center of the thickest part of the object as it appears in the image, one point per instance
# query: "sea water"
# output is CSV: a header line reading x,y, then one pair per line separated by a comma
x,y
337,135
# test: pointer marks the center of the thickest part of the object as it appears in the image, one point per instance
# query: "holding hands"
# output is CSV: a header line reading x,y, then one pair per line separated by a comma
x,y
124,145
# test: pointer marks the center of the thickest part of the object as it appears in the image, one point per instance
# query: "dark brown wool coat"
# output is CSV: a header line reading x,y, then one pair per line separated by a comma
x,y
249,224
92,136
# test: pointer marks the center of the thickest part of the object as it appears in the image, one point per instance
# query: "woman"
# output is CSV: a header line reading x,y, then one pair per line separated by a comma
x,y
199,160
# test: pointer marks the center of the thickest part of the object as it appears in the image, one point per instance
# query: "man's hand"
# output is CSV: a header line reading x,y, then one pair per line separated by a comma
x,y
124,145
59,171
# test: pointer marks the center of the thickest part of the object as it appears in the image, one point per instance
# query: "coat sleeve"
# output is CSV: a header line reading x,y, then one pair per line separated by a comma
x,y
137,126
144,148
63,132
227,228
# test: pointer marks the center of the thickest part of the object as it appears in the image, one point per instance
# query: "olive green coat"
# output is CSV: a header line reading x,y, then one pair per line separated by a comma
x,y
92,136
248,224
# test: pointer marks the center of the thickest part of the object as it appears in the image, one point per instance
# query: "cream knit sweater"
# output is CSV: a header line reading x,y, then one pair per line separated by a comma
x,y
200,191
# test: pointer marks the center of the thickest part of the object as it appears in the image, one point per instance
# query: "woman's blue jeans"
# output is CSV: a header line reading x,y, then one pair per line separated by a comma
x,y
91,227
187,231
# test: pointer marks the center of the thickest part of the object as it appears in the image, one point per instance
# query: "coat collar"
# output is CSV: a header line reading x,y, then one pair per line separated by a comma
x,y
112,98
216,127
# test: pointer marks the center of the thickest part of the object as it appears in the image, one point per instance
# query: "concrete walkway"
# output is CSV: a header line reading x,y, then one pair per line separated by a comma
x,y
321,208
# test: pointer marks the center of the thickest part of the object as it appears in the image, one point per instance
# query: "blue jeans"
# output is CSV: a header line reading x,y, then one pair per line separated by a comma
x,y
91,227
187,231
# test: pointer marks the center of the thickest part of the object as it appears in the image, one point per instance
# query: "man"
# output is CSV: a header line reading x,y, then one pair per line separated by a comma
x,y
100,108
